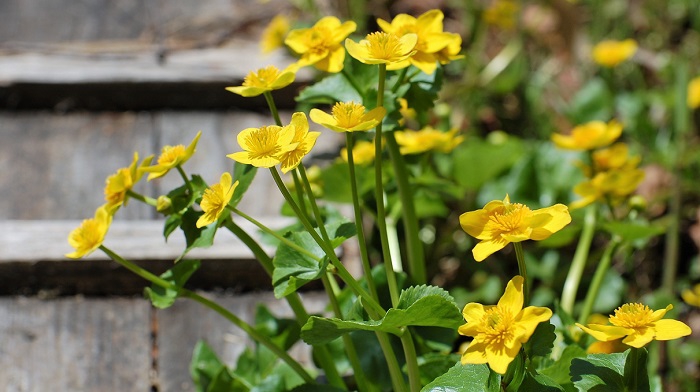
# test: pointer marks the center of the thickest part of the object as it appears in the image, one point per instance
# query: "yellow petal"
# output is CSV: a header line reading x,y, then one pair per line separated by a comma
x,y
512,298
500,357
671,329
473,312
474,222
357,51
528,320
640,337
605,332
486,248
559,217
333,61
475,354
321,117
246,91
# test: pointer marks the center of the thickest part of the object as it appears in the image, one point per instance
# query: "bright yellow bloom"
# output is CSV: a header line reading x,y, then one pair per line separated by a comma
x,y
427,139
117,184
363,153
215,200
91,232
693,98
171,157
320,45
430,37
303,139
611,186
638,325
348,117
502,13
502,222
264,146
611,53
609,347
273,35
614,157
499,331
265,79
692,296
589,136
452,51
384,48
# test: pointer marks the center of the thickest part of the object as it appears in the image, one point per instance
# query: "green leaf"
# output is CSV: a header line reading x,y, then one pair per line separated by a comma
x,y
559,370
472,378
423,90
244,174
478,161
163,298
336,182
196,237
433,365
593,102
427,306
331,89
635,376
171,223
630,231
541,341
599,372
540,383
316,388
208,371
283,332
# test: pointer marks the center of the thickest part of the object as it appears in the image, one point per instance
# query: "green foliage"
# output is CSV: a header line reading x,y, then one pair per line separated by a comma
x,y
473,378
178,275
244,174
478,161
611,372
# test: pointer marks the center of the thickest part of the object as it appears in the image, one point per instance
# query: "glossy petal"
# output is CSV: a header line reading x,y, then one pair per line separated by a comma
x,y
640,337
670,329
500,357
486,248
513,297
605,332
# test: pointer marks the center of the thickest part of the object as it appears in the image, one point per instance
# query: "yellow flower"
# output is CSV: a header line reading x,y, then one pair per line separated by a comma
x,y
164,204
430,37
638,325
303,139
428,138
273,35
91,232
610,186
348,117
215,200
611,53
609,347
502,222
171,157
589,136
499,331
320,45
117,184
362,153
452,50
614,157
264,146
265,79
692,296
502,13
384,48
693,98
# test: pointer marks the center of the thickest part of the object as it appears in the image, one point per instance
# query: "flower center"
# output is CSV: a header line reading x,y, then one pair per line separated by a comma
x,y
510,218
633,315
171,154
262,78
348,114
263,142
497,326
89,234
318,41
384,46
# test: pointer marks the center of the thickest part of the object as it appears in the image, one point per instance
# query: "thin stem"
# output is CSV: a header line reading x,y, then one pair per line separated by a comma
x,y
520,255
399,81
185,178
273,107
142,198
314,206
596,283
409,349
578,264
182,292
364,254
254,247
414,246
379,196
300,193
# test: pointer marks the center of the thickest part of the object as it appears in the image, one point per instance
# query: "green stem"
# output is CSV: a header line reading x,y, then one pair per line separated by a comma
x,y
409,349
314,206
392,236
416,258
342,271
399,81
596,283
578,263
273,107
520,255
634,374
300,193
271,232
364,254
254,247
144,199
185,178
182,292
379,196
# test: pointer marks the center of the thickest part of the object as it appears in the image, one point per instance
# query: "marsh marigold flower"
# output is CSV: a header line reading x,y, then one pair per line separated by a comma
x,y
263,80
171,157
589,136
427,139
610,53
500,330
502,222
348,117
303,139
692,296
264,146
430,37
273,35
609,186
91,232
320,45
117,184
384,48
693,98
363,153
215,199
638,325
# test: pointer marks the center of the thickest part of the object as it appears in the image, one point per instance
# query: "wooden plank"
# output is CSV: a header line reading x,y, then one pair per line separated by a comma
x,y
74,344
185,323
